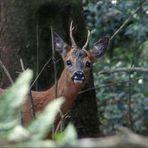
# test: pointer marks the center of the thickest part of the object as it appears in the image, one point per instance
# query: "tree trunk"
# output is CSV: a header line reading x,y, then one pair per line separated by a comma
x,y
25,33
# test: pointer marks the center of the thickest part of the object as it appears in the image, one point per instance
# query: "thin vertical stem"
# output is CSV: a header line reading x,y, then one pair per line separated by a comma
x,y
129,100
40,73
56,83
55,71
6,72
54,63
30,97
37,51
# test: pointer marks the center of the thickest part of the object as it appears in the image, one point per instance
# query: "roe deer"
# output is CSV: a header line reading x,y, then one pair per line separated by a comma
x,y
78,62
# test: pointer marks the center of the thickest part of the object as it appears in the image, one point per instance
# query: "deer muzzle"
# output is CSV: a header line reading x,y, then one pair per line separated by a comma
x,y
78,77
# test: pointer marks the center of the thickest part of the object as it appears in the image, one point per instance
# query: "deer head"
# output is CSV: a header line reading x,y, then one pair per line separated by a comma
x,y
78,61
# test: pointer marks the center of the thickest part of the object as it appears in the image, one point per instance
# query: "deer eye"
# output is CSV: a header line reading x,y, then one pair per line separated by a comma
x,y
88,64
69,63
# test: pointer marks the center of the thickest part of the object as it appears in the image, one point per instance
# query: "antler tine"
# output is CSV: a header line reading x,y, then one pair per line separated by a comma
x,y
86,40
71,36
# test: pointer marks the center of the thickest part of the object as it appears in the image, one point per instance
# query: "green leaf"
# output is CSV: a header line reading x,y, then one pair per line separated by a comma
x,y
42,125
12,99
58,136
70,136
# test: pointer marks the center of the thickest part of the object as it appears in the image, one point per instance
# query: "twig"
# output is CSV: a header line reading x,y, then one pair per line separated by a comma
x,y
23,69
40,73
129,100
54,63
126,21
6,72
22,65
124,69
107,85
37,51
30,96
60,125
55,72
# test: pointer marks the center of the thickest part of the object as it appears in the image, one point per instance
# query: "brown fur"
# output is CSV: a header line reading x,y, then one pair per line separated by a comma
x,y
66,87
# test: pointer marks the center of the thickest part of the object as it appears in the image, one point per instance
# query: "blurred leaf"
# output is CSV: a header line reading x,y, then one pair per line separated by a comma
x,y
58,136
18,134
12,99
43,123
70,136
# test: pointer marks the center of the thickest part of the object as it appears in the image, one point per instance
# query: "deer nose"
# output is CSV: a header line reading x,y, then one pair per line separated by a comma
x,y
78,75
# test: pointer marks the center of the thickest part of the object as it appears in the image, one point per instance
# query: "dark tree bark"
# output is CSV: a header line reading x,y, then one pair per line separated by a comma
x,y
25,33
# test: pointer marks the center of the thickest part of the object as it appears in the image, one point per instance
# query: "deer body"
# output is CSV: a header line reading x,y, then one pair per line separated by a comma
x,y
65,88
75,75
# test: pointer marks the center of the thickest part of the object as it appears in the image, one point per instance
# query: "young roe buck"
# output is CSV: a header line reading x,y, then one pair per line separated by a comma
x,y
76,73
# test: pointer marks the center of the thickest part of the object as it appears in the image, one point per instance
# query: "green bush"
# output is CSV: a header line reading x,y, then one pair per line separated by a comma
x,y
122,97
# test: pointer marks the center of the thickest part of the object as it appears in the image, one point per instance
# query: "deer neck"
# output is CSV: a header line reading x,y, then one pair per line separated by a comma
x,y
66,86
68,89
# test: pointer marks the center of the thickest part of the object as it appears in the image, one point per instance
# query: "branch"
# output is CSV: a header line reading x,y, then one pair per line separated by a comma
x,y
40,73
22,65
127,20
54,62
37,51
107,85
6,72
30,97
128,70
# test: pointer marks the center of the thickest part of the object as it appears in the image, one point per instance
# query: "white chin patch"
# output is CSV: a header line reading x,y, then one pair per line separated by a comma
x,y
77,81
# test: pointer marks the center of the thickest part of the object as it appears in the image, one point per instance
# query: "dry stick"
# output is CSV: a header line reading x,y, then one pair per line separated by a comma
x,y
40,72
37,52
23,69
54,63
22,65
60,124
55,71
6,72
107,85
129,101
132,69
127,20
29,94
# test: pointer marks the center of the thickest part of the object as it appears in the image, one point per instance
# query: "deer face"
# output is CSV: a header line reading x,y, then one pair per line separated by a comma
x,y
78,64
78,61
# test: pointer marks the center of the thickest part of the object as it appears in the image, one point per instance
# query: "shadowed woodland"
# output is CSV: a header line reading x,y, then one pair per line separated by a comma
x,y
112,109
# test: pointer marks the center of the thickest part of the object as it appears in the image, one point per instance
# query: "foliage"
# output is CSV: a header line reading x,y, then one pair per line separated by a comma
x,y
13,134
122,97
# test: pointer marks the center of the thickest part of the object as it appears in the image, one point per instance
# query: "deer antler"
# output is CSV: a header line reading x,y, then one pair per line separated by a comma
x,y
86,40
71,36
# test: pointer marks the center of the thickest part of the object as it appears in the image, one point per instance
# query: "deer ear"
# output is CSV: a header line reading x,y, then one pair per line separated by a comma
x,y
100,47
59,44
